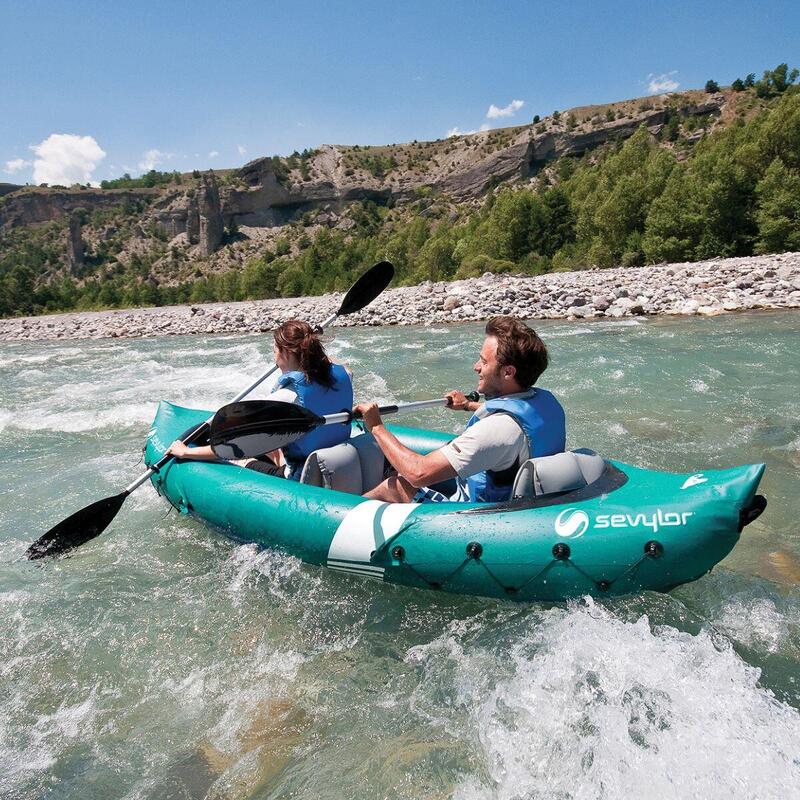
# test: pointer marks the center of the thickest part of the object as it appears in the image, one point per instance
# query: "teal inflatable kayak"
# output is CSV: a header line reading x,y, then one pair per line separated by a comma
x,y
577,524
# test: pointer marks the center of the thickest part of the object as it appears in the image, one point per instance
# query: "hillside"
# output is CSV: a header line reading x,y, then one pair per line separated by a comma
x,y
304,223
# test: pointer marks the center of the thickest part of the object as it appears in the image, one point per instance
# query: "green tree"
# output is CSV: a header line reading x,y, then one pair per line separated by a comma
x,y
778,213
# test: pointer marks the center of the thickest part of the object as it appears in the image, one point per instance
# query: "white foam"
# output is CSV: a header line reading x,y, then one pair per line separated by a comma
x,y
371,386
698,385
756,623
80,421
581,704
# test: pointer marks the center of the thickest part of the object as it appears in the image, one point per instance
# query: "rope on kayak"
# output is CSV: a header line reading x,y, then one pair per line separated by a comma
x,y
561,552
652,549
474,552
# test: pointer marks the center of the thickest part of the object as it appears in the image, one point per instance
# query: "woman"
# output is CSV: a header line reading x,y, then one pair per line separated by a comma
x,y
310,379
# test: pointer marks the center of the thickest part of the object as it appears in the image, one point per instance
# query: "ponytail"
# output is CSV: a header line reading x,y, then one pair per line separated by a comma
x,y
300,339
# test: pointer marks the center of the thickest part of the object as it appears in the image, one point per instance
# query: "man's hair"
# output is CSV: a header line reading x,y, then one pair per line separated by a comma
x,y
518,346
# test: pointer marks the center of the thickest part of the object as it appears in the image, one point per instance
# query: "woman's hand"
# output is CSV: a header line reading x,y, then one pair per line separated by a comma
x,y
178,449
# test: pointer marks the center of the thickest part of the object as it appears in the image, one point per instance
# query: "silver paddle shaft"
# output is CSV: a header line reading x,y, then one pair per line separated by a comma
x,y
406,408
146,475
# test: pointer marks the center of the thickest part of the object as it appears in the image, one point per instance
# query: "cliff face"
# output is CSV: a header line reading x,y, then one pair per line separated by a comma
x,y
194,212
188,218
464,167
29,205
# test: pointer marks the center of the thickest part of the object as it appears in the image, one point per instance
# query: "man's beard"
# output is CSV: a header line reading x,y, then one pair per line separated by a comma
x,y
491,391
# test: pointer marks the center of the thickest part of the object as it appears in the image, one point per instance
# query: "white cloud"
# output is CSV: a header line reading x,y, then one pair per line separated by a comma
x,y
152,159
508,111
16,165
213,154
63,158
242,149
458,132
658,84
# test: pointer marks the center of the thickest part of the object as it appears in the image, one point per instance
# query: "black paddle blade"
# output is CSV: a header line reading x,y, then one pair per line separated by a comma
x,y
78,528
252,428
367,288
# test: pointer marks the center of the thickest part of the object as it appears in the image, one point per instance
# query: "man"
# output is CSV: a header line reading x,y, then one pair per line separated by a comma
x,y
516,423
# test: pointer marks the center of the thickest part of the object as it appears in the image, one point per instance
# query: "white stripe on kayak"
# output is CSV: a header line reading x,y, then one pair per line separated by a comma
x,y
361,573
333,564
364,529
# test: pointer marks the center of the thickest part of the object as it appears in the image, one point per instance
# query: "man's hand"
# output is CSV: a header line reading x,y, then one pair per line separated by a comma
x,y
369,414
459,402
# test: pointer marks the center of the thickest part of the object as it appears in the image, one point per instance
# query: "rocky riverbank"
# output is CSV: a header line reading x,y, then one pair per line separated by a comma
x,y
705,287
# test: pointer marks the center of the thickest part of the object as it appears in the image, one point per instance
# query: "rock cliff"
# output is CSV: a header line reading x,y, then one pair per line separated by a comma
x,y
175,225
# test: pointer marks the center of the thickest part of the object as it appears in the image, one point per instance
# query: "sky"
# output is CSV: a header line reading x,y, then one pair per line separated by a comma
x,y
91,90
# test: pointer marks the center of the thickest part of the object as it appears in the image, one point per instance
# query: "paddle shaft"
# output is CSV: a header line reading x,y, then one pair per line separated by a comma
x,y
406,408
203,428
349,416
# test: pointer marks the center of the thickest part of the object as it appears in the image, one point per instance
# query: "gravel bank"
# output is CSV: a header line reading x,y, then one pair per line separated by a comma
x,y
705,287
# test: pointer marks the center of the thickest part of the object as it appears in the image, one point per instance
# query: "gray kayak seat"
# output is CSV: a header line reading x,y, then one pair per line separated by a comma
x,y
562,472
354,467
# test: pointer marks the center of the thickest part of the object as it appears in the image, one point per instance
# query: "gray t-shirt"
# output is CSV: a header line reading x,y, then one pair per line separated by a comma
x,y
496,442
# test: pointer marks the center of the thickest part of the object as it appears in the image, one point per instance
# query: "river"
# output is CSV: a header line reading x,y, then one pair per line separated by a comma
x,y
163,660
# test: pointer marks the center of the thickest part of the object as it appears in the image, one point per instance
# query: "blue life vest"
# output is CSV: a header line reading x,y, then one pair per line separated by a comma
x,y
321,400
541,418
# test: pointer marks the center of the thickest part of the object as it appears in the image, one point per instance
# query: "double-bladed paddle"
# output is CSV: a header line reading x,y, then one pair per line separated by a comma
x,y
251,428
92,520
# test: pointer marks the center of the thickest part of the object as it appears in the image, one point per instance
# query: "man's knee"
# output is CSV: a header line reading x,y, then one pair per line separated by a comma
x,y
402,488
394,489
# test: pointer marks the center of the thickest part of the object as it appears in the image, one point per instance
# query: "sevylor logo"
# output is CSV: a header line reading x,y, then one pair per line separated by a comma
x,y
572,522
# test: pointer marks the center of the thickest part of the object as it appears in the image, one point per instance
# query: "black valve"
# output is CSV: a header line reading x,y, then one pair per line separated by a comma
x,y
653,549
474,550
561,551
398,553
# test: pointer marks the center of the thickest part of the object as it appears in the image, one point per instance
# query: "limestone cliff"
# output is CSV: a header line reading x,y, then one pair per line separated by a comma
x,y
173,227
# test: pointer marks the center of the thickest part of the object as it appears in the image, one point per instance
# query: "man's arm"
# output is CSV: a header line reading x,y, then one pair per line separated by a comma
x,y
417,469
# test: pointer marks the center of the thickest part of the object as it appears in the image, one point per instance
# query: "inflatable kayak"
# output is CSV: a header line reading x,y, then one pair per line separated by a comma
x,y
577,524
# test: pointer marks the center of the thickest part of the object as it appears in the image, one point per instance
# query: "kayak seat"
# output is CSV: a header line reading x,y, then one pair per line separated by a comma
x,y
354,467
562,472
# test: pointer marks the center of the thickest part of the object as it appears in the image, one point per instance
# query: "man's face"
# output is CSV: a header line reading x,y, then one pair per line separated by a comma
x,y
490,380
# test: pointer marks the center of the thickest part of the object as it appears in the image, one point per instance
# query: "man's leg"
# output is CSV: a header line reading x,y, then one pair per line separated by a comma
x,y
395,489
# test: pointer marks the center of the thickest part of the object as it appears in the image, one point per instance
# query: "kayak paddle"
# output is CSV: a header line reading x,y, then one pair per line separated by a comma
x,y
253,427
92,520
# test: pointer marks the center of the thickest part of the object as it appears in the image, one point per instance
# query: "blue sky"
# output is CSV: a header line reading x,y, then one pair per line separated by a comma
x,y
184,85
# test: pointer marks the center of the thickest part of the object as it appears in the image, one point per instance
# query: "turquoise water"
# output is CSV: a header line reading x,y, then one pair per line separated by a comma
x,y
163,660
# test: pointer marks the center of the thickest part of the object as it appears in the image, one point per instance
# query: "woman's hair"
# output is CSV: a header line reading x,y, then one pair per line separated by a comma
x,y
300,339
